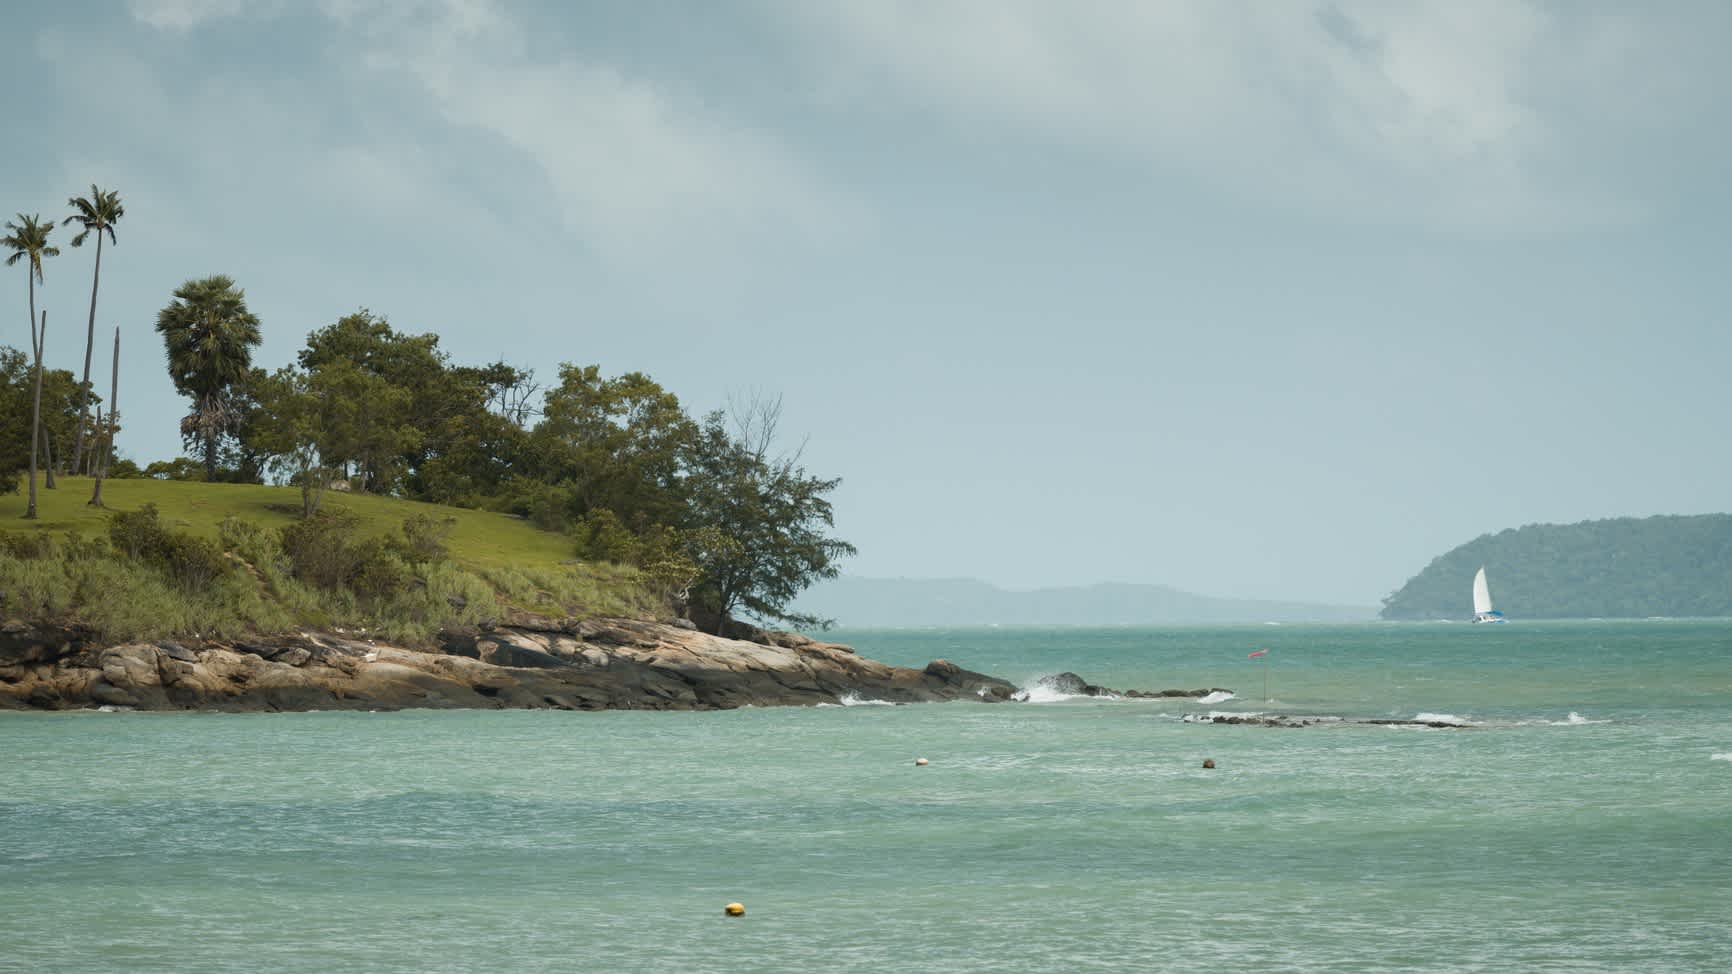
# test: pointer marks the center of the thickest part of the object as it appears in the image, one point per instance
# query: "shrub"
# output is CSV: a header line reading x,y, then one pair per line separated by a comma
x,y
136,534
192,563
320,550
424,539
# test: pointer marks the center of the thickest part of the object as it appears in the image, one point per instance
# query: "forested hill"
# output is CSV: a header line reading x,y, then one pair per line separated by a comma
x,y
1622,567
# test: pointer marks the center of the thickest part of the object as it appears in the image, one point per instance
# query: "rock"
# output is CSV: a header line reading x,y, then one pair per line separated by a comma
x,y
565,664
176,651
112,696
685,624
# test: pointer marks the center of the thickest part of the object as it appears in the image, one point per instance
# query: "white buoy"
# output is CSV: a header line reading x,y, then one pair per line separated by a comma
x,y
920,762
735,909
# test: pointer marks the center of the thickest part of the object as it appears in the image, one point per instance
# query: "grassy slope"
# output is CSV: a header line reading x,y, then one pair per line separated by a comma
x,y
524,566
480,539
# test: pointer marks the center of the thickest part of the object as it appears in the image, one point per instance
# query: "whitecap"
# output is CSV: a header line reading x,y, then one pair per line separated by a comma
x,y
1429,718
851,699
1722,756
1040,693
1219,696
1575,720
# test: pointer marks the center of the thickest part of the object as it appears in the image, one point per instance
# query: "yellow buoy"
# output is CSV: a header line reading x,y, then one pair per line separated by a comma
x,y
920,762
735,909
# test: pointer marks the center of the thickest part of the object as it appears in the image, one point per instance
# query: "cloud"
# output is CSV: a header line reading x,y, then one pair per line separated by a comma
x,y
636,166
184,15
638,169
1460,115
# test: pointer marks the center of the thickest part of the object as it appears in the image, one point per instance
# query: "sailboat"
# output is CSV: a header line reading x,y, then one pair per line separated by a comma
x,y
1482,610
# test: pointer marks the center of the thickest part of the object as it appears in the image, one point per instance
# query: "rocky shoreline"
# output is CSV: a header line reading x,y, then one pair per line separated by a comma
x,y
527,663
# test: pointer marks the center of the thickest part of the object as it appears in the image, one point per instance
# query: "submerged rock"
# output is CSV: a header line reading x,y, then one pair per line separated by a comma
x,y
1285,720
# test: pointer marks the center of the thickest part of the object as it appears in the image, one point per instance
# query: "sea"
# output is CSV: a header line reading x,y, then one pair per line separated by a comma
x,y
1579,819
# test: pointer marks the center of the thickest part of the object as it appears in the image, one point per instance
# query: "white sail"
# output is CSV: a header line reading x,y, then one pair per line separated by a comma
x,y
1481,593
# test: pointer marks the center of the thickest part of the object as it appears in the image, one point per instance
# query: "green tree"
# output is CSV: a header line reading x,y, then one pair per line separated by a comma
x,y
59,413
612,444
763,520
96,213
209,335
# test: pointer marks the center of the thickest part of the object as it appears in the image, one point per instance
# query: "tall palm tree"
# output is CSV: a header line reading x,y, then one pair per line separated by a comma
x,y
28,242
97,213
209,335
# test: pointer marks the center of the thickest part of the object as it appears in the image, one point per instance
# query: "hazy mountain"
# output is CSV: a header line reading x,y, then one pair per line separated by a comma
x,y
855,601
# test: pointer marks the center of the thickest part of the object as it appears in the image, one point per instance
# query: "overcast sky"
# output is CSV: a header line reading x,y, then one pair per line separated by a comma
x,y
1274,299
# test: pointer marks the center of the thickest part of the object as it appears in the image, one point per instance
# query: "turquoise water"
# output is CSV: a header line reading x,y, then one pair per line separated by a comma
x,y
1065,836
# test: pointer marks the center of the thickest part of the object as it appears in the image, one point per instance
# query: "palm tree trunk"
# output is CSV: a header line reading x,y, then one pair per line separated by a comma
x,y
210,455
36,340
89,344
113,425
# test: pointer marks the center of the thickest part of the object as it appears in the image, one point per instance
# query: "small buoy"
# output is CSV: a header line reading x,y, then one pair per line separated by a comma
x,y
1208,762
920,762
735,909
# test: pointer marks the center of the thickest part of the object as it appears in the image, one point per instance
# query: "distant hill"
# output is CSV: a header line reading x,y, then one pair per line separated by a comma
x,y
855,601
1622,567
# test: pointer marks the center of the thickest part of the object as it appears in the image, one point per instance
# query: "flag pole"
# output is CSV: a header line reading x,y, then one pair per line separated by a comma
x,y
1264,654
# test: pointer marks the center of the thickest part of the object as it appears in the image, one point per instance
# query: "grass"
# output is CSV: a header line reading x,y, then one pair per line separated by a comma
x,y
479,540
495,561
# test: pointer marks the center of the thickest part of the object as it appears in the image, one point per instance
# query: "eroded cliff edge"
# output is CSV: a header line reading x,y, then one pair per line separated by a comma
x,y
593,664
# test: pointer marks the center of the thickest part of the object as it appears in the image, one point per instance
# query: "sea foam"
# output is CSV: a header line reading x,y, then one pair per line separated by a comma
x,y
1575,720
1442,719
855,700
1722,756
1218,696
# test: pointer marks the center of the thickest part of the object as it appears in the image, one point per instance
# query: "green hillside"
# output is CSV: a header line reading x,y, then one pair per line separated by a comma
x,y
479,539
215,560
1618,568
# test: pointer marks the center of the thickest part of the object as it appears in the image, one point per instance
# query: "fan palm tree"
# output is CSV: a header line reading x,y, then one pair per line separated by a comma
x,y
209,335
97,213
28,242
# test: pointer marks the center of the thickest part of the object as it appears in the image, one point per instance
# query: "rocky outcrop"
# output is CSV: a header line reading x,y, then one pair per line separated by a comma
x,y
523,662
1069,684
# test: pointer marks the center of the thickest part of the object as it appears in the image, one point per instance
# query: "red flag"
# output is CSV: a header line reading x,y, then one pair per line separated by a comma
x,y
1260,652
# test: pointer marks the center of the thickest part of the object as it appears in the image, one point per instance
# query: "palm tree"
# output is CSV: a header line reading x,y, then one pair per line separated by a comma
x,y
97,212
28,241
209,335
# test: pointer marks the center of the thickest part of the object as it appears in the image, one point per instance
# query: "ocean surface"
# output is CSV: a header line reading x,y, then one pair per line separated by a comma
x,y
1581,821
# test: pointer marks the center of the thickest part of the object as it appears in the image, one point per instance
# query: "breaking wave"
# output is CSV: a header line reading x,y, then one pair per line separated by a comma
x,y
1722,756
1575,720
1429,718
852,699
1219,696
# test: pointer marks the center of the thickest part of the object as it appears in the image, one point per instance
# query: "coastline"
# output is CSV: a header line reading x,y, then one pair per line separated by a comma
x,y
529,663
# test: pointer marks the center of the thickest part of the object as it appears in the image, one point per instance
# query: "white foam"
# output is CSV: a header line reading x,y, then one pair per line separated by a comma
x,y
1575,720
855,700
1441,719
1219,696
1722,756
1041,693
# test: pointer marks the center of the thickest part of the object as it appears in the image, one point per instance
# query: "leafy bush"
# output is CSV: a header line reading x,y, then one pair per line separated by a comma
x,y
321,549
424,539
192,563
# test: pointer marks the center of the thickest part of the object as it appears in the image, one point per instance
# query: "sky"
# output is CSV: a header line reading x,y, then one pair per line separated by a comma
x,y
1273,300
